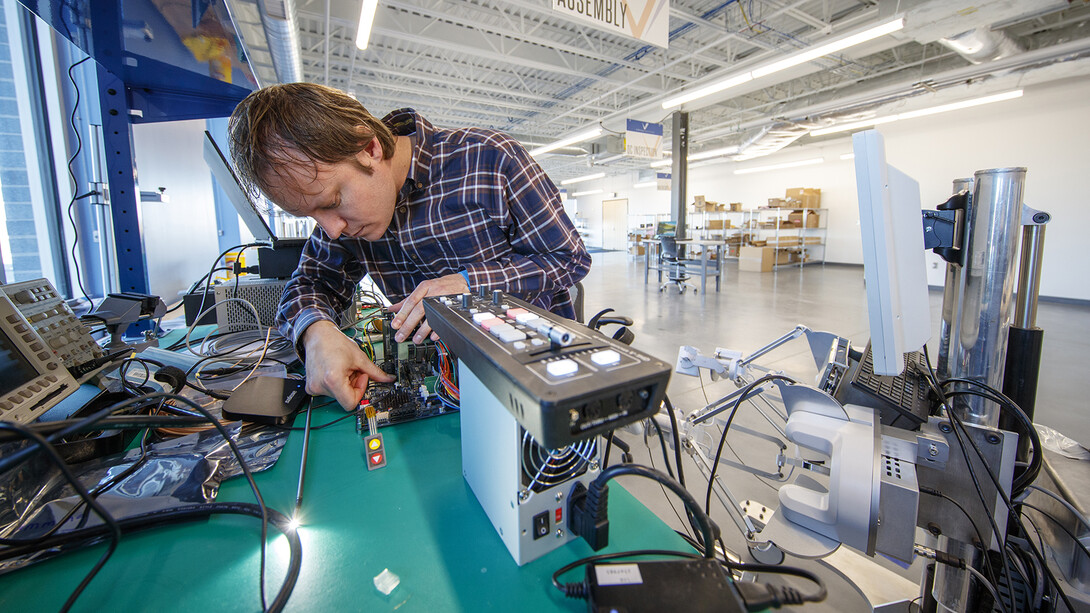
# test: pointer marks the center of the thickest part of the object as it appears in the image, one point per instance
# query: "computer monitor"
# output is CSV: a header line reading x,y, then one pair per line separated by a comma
x,y
666,228
894,266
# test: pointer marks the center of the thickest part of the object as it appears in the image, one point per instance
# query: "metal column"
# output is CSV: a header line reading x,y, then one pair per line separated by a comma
x,y
679,180
978,348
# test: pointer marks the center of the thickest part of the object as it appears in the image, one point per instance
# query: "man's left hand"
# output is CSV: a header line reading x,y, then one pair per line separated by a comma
x,y
410,311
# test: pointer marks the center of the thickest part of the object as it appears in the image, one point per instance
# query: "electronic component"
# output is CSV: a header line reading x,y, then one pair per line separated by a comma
x,y
54,321
694,586
902,401
376,451
412,395
266,400
32,379
522,486
562,381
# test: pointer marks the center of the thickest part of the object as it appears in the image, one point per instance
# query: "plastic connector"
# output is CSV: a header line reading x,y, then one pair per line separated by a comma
x,y
762,596
588,513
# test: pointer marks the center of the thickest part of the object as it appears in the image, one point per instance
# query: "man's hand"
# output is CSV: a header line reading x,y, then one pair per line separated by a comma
x,y
336,366
410,311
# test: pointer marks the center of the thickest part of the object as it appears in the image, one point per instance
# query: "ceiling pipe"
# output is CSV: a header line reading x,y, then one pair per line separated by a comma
x,y
982,44
282,34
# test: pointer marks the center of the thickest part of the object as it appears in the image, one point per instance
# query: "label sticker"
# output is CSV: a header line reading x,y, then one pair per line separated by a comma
x,y
618,574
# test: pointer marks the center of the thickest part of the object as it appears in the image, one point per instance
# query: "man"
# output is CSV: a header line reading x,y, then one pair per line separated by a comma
x,y
424,211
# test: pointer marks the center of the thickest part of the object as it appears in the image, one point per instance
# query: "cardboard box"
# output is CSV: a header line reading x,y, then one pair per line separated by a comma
x,y
762,259
637,250
756,259
804,197
777,202
718,224
736,207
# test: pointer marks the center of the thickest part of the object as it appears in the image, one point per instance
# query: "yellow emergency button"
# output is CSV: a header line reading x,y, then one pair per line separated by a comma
x,y
374,444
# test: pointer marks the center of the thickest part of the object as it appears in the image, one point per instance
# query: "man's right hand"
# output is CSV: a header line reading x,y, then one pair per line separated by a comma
x,y
336,366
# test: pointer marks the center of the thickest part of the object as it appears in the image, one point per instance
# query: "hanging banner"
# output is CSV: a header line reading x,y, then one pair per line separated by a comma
x,y
643,139
646,20
663,181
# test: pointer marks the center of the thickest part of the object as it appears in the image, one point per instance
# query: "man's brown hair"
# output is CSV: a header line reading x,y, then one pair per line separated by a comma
x,y
276,125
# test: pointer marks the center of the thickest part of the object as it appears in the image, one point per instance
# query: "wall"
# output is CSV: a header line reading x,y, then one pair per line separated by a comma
x,y
180,235
1046,130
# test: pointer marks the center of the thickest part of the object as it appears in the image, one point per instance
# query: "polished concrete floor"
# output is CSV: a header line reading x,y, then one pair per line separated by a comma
x,y
753,309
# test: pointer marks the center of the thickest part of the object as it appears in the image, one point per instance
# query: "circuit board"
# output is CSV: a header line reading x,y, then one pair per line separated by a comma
x,y
414,393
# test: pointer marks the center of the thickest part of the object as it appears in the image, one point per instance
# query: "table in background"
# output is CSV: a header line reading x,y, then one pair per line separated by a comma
x,y
417,517
652,249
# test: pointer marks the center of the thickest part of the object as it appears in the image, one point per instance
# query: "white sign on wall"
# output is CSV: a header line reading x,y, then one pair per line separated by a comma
x,y
646,20
643,139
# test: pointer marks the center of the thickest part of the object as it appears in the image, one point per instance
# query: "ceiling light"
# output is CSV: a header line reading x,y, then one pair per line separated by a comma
x,y
571,140
367,19
587,193
661,163
597,175
847,156
810,162
954,106
612,158
703,155
795,59
840,44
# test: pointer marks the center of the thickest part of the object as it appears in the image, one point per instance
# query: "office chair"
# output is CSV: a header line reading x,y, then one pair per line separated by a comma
x,y
675,267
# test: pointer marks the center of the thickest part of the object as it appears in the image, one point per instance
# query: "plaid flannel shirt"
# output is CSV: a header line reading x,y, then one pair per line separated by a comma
x,y
474,201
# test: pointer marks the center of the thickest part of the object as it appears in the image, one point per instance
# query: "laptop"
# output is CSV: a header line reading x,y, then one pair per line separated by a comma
x,y
247,209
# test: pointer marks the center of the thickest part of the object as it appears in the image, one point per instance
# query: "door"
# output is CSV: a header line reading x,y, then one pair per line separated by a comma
x,y
615,224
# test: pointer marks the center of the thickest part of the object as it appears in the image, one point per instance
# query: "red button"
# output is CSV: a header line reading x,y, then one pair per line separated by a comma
x,y
376,458
559,515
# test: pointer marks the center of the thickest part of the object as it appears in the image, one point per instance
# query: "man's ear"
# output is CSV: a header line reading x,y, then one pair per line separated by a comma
x,y
371,152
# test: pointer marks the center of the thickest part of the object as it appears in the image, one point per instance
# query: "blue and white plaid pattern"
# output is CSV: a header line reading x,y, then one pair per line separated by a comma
x,y
474,200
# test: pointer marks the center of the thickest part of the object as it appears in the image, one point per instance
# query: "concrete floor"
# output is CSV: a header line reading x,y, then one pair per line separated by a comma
x,y
753,309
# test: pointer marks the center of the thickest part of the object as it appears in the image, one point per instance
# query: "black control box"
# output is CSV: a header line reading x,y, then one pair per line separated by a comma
x,y
561,380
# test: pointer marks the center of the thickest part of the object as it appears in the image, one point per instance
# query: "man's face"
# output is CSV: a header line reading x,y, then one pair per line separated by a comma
x,y
343,198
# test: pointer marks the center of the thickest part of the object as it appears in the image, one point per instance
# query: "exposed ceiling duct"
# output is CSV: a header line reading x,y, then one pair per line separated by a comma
x,y
282,34
981,45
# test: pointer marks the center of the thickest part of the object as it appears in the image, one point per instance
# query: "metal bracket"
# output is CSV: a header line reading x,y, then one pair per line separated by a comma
x,y
942,228
1033,217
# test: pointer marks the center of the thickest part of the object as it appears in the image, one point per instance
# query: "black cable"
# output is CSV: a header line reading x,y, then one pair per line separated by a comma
x,y
726,427
980,537
89,536
708,530
1004,402
72,175
662,444
1059,524
92,419
677,439
568,588
115,530
609,447
932,380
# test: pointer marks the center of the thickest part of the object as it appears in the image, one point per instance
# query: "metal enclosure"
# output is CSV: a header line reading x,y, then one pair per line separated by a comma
x,y
497,454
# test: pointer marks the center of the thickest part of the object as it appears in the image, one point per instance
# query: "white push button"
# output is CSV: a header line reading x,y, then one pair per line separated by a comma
x,y
608,357
525,317
479,317
562,368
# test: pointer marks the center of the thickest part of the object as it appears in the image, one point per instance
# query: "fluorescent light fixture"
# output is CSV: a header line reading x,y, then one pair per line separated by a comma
x,y
661,163
713,153
847,156
813,53
809,162
954,106
597,175
367,19
708,90
587,193
790,61
612,158
571,140
643,184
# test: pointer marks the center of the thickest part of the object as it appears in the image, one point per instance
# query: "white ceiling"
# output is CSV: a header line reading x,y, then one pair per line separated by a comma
x,y
523,68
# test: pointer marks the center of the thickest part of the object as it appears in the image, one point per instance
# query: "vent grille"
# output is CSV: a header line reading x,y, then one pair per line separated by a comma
x,y
544,468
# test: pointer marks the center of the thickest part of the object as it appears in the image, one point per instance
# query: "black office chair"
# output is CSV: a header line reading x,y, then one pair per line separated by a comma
x,y
670,259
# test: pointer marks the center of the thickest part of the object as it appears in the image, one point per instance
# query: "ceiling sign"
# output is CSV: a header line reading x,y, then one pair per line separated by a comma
x,y
646,20
643,139
662,181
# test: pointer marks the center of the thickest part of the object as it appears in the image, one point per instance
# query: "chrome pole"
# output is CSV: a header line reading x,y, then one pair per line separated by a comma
x,y
951,291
